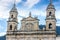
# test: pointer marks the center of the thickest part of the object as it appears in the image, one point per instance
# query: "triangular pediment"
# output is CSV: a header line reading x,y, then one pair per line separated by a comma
x,y
29,19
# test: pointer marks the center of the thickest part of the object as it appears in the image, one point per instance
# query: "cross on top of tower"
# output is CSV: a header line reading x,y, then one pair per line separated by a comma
x,y
50,1
14,3
50,6
30,14
14,6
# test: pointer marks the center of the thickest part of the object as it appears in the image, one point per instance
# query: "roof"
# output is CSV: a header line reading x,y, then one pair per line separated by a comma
x,y
14,9
50,6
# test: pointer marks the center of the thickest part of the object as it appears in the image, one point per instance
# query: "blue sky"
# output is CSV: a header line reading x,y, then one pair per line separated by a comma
x,y
36,7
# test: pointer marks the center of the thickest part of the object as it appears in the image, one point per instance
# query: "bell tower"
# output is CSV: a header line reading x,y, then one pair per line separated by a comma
x,y
12,22
50,17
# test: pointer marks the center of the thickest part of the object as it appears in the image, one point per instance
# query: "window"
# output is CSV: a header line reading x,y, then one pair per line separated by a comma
x,y
50,26
50,13
10,27
11,16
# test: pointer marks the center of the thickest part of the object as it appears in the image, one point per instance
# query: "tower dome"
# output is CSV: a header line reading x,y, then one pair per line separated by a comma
x,y
50,6
14,9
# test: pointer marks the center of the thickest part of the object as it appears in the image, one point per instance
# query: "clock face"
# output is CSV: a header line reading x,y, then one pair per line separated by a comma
x,y
29,26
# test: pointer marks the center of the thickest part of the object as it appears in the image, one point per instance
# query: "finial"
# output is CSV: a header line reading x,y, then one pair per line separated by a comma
x,y
14,6
14,3
50,1
30,14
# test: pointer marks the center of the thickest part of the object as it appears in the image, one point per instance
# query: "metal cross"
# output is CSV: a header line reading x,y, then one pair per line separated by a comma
x,y
30,14
50,1
14,3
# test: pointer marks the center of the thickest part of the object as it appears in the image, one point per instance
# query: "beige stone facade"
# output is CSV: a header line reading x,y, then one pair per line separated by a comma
x,y
30,26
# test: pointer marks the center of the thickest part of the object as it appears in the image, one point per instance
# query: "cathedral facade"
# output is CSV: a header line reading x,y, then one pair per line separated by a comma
x,y
30,26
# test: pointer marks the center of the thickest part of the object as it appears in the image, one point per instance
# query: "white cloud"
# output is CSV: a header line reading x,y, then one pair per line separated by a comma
x,y
58,24
57,14
2,33
31,3
23,13
4,7
18,1
9,2
5,4
38,12
2,29
4,14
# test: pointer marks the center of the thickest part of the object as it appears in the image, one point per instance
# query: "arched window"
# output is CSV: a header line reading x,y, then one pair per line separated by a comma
x,y
11,16
10,27
50,26
50,13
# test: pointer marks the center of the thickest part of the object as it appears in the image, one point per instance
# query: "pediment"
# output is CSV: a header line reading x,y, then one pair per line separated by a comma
x,y
29,19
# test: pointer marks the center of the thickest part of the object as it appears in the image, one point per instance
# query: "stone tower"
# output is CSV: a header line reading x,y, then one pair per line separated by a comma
x,y
51,21
50,17
12,22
